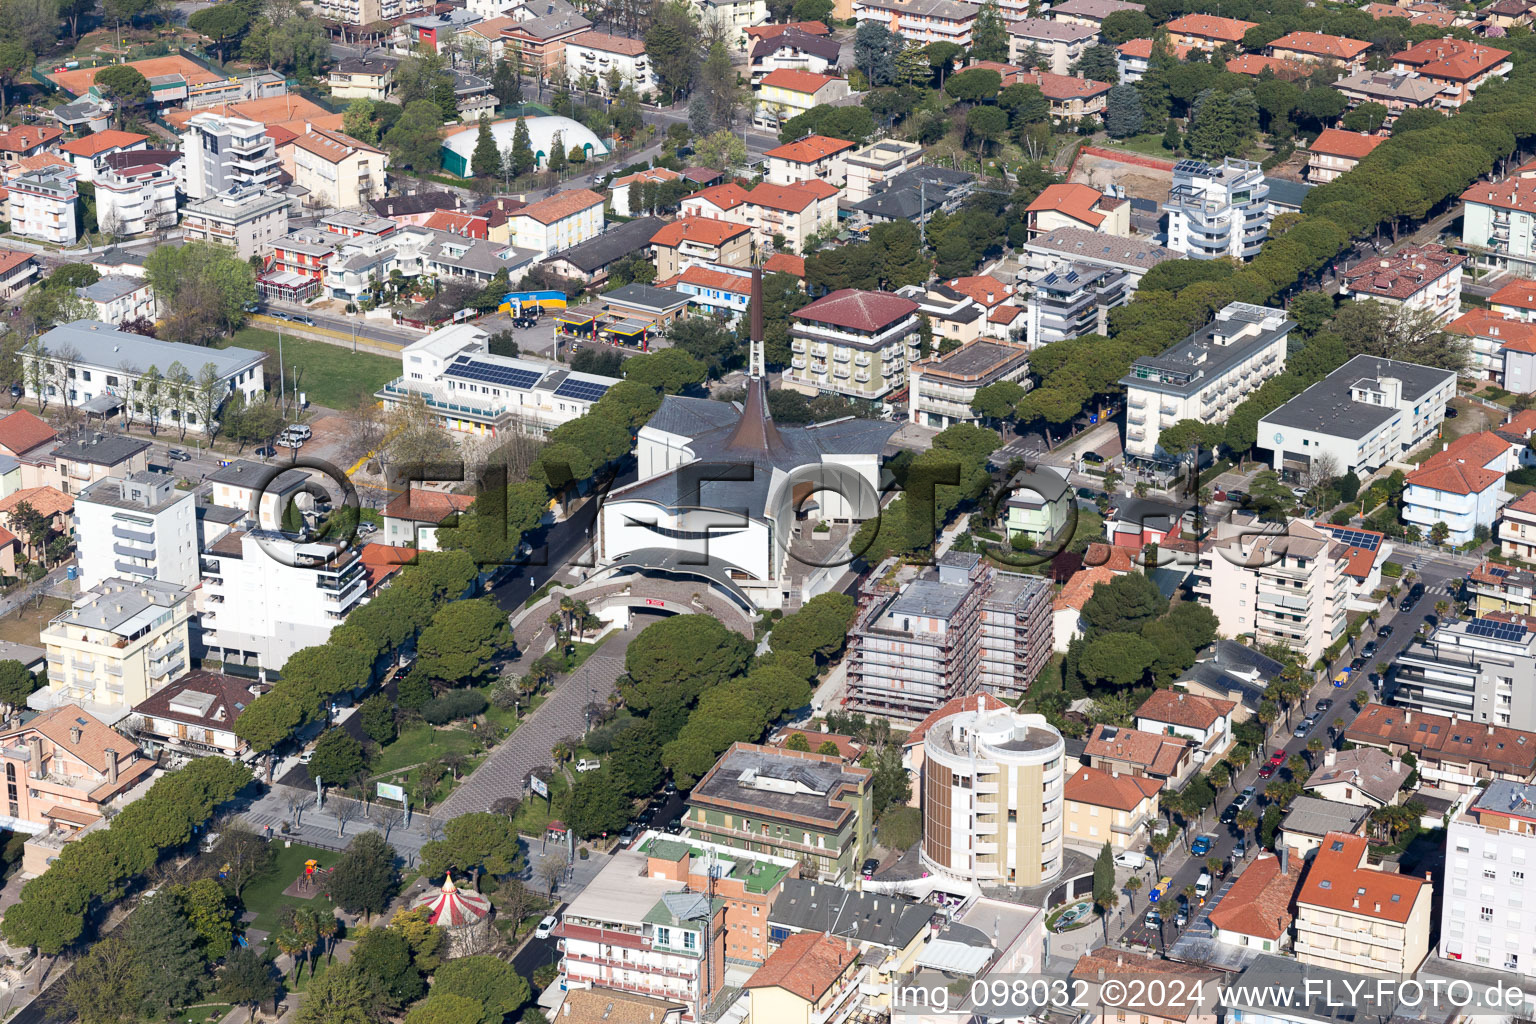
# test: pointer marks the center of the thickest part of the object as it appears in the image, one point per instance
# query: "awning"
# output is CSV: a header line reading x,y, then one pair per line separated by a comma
x,y
101,405
71,815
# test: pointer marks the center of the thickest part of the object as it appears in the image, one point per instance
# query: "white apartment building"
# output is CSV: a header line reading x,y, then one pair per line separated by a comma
x,y
259,490
557,223
1337,152
1205,376
1489,846
943,387
922,21
1462,486
337,169
1285,586
247,219
137,526
598,55
1218,211
119,643
733,17
815,157
265,595
88,359
138,198
855,343
1354,918
220,153
42,205
1481,671
1061,43
1498,221
118,297
871,167
453,371
1365,413
1424,277
993,806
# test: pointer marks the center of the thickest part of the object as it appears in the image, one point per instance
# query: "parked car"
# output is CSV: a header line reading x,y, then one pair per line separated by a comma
x,y
669,787
1133,859
306,756
288,442
545,927
252,307
1201,846
366,528
675,827
1229,815
299,431
1266,772
1324,704
266,451
870,866
1384,632
1203,886
1241,497
645,817
277,314
300,318
588,765
1277,758
1356,664
1241,849
1369,650
1153,919
1093,457
177,455
1303,727
1181,918
630,831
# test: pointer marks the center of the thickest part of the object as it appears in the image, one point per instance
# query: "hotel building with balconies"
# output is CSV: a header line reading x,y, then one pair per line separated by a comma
x,y
247,220
119,643
1424,277
1359,919
140,525
922,21
993,804
1482,671
1205,376
598,55
42,205
1489,848
853,343
222,153
1218,211
944,386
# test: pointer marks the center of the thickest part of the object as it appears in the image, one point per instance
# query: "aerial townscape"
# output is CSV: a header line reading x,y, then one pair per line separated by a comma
x,y
767,511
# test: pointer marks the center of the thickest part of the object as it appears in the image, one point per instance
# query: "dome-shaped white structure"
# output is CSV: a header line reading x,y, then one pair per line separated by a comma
x,y
459,147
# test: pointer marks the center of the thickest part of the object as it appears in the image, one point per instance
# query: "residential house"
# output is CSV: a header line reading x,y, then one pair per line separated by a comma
x,y
91,455
415,208
794,50
1091,12
855,343
1206,32
194,715
1481,671
1516,532
1107,807
1337,152
86,152
1452,754
1318,48
734,17
786,216
718,202
922,21
28,441
1232,671
954,317
117,299
592,260
248,220
1397,92
563,220
1136,969
413,518
1462,67
1508,14
363,78
1365,776
1359,919
1426,277
1080,207
1255,913
690,240
1503,348
812,978
541,41
1487,845
42,205
815,157
750,884
336,169
1072,97
1461,486
1118,750
601,59
621,188
1309,820
1134,56
1039,507
1499,224
1060,43
715,291
17,271
788,92
1256,65
876,164
136,191
944,386
1204,720
1067,607
23,141
139,525
889,934
260,491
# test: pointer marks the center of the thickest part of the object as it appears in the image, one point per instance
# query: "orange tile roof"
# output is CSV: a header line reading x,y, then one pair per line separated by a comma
x,y
1259,902
795,80
1355,145
814,28
1461,467
49,501
1073,200
1256,64
1143,48
656,174
789,198
1520,293
561,205
10,259
809,149
28,136
848,748
785,263
1319,44
1453,59
1519,335
381,561
705,277
1113,557
608,43
1005,314
467,224
806,964
1521,423
426,506
699,230
986,291
21,431
1443,739
99,142
1108,962
1525,503
1187,709
1079,587
1064,87
332,146
96,738
1402,274
816,187
292,111
1358,561
1336,881
726,197
78,80
38,161
981,701
1153,752
1226,30
1110,789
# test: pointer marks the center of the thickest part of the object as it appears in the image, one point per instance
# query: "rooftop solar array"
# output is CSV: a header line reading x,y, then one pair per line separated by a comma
x,y
1356,538
581,390
1496,630
493,373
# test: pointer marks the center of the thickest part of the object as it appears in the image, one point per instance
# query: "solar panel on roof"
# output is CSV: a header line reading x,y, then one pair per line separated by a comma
x,y
1357,538
581,390
1495,629
491,373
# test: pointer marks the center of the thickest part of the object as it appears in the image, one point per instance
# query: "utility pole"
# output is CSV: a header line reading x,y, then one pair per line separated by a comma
x,y
282,394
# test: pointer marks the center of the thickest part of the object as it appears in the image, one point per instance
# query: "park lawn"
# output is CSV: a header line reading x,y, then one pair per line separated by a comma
x,y
25,624
331,375
533,817
1147,144
204,1014
264,895
418,743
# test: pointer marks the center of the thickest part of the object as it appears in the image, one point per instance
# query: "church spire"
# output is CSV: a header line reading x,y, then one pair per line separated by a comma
x,y
755,431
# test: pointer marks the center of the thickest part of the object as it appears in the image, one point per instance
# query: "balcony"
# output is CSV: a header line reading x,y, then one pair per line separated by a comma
x,y
862,359
169,669
134,570
148,554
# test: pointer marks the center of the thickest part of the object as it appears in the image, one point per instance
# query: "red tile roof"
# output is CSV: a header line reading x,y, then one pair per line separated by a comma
x,y
699,230
1404,273
858,310
987,292
426,506
814,28
789,198
1461,467
280,135
1187,709
1336,881
1259,902
1143,48
726,197
1319,44
1520,293
1256,64
467,224
816,187
656,174
1005,314
21,431
1355,145
1226,30
809,149
1455,60
1443,739
381,561
28,136
332,146
704,277
1064,87
807,964
1152,752
99,142
1359,561
1113,557
785,263
1079,587
795,80
1072,200
48,501
1110,789
561,205
608,43
1519,335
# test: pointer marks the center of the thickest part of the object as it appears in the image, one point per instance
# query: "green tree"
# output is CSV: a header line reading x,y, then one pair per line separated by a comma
x,y
364,879
413,141
506,84
342,995
673,660
337,757
798,742
1123,112
672,43
486,160
161,934
222,23
1123,605
1116,659
207,907
1098,63
672,370
123,84
1104,877
383,957
247,979
901,827
819,629
464,641
203,289
1123,26
16,684
875,51
107,985
474,842
596,805
445,1007
989,36
523,157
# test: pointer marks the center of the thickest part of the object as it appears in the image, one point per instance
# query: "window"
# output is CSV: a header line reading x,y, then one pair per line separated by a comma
x,y
690,940
1490,873
663,936
1486,914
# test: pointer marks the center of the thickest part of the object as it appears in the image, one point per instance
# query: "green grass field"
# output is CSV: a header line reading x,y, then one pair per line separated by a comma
x,y
264,895
332,376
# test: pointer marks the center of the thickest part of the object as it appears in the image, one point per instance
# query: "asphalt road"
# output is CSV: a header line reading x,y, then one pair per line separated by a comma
x,y
1184,869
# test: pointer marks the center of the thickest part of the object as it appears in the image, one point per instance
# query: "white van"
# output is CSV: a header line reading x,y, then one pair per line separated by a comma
x,y
1132,859
1203,885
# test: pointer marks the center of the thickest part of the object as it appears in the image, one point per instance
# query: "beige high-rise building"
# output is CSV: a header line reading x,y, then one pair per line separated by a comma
x,y
992,783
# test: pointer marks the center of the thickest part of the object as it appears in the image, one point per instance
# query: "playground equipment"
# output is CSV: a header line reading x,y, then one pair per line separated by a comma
x,y
513,302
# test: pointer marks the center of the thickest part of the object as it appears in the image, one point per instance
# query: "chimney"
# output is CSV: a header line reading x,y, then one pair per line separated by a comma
x,y
1378,906
1114,773
1407,717
35,750
111,764
567,1008
1397,765
1285,859
1355,903
74,735
1330,757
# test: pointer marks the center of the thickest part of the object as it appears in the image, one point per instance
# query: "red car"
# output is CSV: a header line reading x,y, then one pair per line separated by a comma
x,y
1267,772
1277,758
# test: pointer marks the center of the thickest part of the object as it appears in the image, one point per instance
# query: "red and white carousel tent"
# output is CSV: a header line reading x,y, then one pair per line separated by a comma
x,y
453,907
